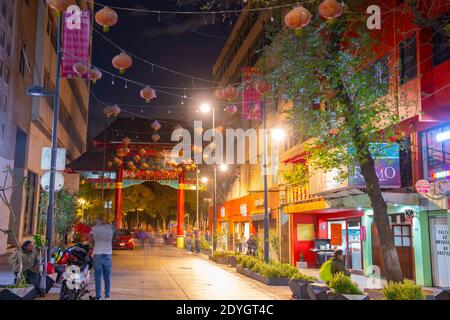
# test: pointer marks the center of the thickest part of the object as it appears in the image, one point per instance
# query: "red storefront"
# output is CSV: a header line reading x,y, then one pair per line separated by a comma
x,y
317,234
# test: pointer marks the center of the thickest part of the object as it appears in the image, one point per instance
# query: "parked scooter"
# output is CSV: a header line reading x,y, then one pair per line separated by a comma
x,y
77,276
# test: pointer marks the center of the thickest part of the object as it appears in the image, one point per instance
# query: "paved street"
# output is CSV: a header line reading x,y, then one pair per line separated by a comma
x,y
169,273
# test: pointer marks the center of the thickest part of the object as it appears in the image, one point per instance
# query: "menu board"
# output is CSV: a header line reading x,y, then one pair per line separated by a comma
x,y
336,234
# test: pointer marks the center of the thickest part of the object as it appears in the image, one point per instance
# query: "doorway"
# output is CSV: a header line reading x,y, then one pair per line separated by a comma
x,y
403,245
440,251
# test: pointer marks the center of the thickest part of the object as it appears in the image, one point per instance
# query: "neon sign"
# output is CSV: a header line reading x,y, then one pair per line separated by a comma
x,y
441,174
443,136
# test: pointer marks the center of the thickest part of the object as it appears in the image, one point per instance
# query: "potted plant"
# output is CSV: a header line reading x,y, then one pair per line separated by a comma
x,y
343,288
299,285
406,290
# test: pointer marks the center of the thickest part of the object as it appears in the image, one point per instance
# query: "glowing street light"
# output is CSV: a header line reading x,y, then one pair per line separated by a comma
x,y
204,180
277,134
205,107
223,167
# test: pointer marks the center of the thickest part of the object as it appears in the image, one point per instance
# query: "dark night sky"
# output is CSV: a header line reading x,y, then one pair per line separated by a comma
x,y
167,42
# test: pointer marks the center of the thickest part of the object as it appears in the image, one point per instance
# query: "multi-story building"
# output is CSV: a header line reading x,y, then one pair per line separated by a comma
x,y
29,30
324,210
240,212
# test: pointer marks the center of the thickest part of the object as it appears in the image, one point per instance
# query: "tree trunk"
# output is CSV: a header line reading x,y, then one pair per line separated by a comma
x,y
390,258
389,253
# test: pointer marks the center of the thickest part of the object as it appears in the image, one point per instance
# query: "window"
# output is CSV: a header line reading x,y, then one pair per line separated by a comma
x,y
2,131
441,44
408,60
10,20
22,61
8,48
436,152
1,67
4,8
406,163
4,104
402,235
30,204
6,75
2,38
381,73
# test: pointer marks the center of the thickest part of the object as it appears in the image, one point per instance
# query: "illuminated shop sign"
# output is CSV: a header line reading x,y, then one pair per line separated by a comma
x,y
441,174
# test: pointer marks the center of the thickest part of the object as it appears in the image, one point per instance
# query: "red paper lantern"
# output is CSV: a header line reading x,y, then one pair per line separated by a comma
x,y
109,164
148,94
122,62
330,9
262,87
131,165
218,94
232,109
144,166
60,5
297,18
126,141
229,93
94,75
80,68
106,17
112,111
142,152
137,158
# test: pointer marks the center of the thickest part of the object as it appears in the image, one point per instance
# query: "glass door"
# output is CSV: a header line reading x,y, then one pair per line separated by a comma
x,y
354,247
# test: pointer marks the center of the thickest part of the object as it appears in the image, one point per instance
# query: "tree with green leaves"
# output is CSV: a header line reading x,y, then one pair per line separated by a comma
x,y
340,103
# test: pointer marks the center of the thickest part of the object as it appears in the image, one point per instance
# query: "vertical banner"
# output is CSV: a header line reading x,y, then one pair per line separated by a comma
x,y
336,234
75,46
251,99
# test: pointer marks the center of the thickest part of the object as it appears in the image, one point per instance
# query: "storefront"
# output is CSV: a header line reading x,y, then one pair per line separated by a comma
x,y
234,226
435,156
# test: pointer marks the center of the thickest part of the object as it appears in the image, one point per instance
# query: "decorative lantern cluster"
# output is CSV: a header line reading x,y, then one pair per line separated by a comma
x,y
58,5
300,17
112,111
106,17
262,86
156,125
122,62
184,166
148,94
229,94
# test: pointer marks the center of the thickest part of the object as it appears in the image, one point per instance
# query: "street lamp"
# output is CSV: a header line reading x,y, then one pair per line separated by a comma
x,y
206,108
277,134
204,180
223,167
39,91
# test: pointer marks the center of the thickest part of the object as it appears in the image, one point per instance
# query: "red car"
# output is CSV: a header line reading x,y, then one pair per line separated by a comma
x,y
125,240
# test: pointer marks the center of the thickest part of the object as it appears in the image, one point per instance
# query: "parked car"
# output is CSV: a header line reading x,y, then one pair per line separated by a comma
x,y
125,240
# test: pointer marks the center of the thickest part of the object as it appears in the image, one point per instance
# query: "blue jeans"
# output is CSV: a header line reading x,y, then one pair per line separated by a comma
x,y
102,266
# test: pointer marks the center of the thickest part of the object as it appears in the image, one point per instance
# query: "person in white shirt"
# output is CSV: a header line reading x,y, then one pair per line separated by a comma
x,y
102,235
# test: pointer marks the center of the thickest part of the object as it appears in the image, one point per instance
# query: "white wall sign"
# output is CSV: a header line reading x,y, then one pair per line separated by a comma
x,y
47,158
59,181
222,211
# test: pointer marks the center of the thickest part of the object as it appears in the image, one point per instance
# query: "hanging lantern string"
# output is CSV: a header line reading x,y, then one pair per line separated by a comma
x,y
140,84
203,13
219,12
154,65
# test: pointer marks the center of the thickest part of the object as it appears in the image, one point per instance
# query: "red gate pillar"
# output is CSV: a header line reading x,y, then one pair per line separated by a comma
x,y
118,207
180,220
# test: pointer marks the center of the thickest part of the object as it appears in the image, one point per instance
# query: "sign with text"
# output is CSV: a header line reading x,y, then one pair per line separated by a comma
x,y
387,166
75,46
243,209
251,99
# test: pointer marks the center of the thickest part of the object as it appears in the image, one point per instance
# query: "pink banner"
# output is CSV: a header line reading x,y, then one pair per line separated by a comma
x,y
251,99
75,46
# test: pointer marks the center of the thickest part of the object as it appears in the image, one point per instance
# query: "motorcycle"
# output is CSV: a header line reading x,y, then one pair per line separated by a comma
x,y
77,275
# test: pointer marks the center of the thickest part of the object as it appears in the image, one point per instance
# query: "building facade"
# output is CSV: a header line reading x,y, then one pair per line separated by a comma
x,y
315,218
29,125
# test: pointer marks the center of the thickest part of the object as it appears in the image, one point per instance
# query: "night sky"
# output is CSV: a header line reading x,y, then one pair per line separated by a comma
x,y
188,44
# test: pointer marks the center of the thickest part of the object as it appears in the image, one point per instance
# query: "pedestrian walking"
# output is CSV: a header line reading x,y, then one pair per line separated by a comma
x,y
102,235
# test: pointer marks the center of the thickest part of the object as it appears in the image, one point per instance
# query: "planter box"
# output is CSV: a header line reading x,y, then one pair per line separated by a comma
x,y
27,293
259,277
338,296
318,291
220,260
232,261
299,289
